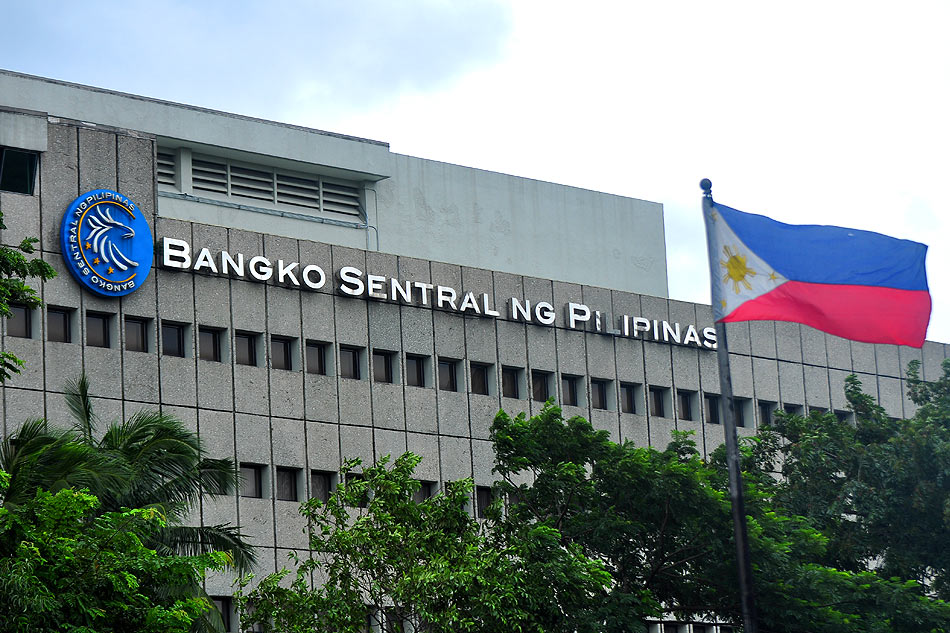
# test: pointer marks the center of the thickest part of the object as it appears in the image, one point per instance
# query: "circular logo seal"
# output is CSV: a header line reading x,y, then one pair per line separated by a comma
x,y
106,243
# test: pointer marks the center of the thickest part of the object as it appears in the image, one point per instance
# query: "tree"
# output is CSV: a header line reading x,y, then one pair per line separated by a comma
x,y
67,566
403,564
15,269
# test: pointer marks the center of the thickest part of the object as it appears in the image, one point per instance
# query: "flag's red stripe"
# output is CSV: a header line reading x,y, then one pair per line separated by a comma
x,y
861,313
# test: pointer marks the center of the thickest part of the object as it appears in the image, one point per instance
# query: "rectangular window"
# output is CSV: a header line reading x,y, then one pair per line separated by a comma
x,y
97,329
482,500
382,366
628,397
426,491
598,393
540,385
415,370
20,321
245,348
684,404
18,170
281,352
480,378
793,409
316,358
569,390
252,481
658,402
711,408
58,325
321,484
287,483
448,378
766,410
350,362
742,410
173,339
136,334
209,344
511,382
223,605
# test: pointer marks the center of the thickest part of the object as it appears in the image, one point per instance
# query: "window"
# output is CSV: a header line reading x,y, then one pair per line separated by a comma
x,y
843,416
97,329
658,402
287,483
569,390
628,397
817,410
482,500
711,408
598,393
480,378
448,379
316,358
684,404
136,334
415,370
382,366
209,344
426,491
350,362
20,321
742,410
245,348
766,410
510,382
57,325
173,339
540,385
321,484
793,409
252,481
281,352
223,605
18,170
352,478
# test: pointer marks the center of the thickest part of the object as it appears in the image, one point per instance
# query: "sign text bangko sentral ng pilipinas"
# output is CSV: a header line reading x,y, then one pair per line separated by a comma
x,y
353,282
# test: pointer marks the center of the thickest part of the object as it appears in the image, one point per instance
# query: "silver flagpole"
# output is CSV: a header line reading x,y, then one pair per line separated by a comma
x,y
743,560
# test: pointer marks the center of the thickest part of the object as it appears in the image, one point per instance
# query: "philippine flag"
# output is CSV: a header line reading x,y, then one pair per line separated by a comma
x,y
855,284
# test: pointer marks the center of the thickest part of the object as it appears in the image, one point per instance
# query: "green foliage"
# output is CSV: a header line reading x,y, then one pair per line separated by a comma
x,y
67,566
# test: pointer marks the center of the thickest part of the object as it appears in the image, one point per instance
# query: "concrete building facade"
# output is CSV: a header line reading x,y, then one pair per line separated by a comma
x,y
435,295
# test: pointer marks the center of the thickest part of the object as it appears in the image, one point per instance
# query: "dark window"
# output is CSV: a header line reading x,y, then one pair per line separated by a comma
x,y
17,170
741,406
684,404
569,390
245,348
57,325
173,339
711,408
479,378
382,366
766,409
252,484
316,358
426,491
540,385
415,370
281,352
321,484
136,334
793,409
363,500
20,322
598,393
97,329
482,500
209,344
628,397
657,402
510,377
287,483
350,362
817,410
223,605
448,380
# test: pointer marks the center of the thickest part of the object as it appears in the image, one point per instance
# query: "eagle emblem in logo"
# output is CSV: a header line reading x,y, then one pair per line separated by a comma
x,y
107,243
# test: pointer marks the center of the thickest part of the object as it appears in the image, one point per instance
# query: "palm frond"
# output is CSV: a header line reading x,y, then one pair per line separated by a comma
x,y
190,540
80,406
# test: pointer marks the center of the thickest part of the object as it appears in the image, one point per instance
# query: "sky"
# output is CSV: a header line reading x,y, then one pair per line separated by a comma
x,y
809,112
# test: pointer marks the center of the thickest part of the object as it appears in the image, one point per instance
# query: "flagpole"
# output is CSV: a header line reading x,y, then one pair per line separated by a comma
x,y
743,559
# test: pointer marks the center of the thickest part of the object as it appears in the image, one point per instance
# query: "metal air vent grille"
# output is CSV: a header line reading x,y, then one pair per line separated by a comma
x,y
165,167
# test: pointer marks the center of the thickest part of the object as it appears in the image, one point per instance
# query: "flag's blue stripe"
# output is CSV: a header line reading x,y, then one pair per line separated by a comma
x,y
831,254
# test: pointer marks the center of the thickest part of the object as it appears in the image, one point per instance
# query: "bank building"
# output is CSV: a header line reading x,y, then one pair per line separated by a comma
x,y
300,297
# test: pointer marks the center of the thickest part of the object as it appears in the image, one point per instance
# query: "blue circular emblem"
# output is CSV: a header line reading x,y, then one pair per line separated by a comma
x,y
107,243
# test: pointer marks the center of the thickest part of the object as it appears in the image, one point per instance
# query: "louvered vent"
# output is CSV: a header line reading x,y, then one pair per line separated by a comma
x,y
207,175
165,168
341,199
252,183
300,192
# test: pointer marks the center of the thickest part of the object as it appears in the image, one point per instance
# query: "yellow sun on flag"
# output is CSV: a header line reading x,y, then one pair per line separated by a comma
x,y
736,269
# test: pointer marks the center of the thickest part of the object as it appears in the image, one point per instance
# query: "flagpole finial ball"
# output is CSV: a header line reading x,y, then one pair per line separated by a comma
x,y
706,185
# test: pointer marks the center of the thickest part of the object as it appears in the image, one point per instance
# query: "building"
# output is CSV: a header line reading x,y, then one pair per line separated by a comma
x,y
316,297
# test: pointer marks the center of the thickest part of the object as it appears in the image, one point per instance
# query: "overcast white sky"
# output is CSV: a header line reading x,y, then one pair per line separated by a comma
x,y
812,112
